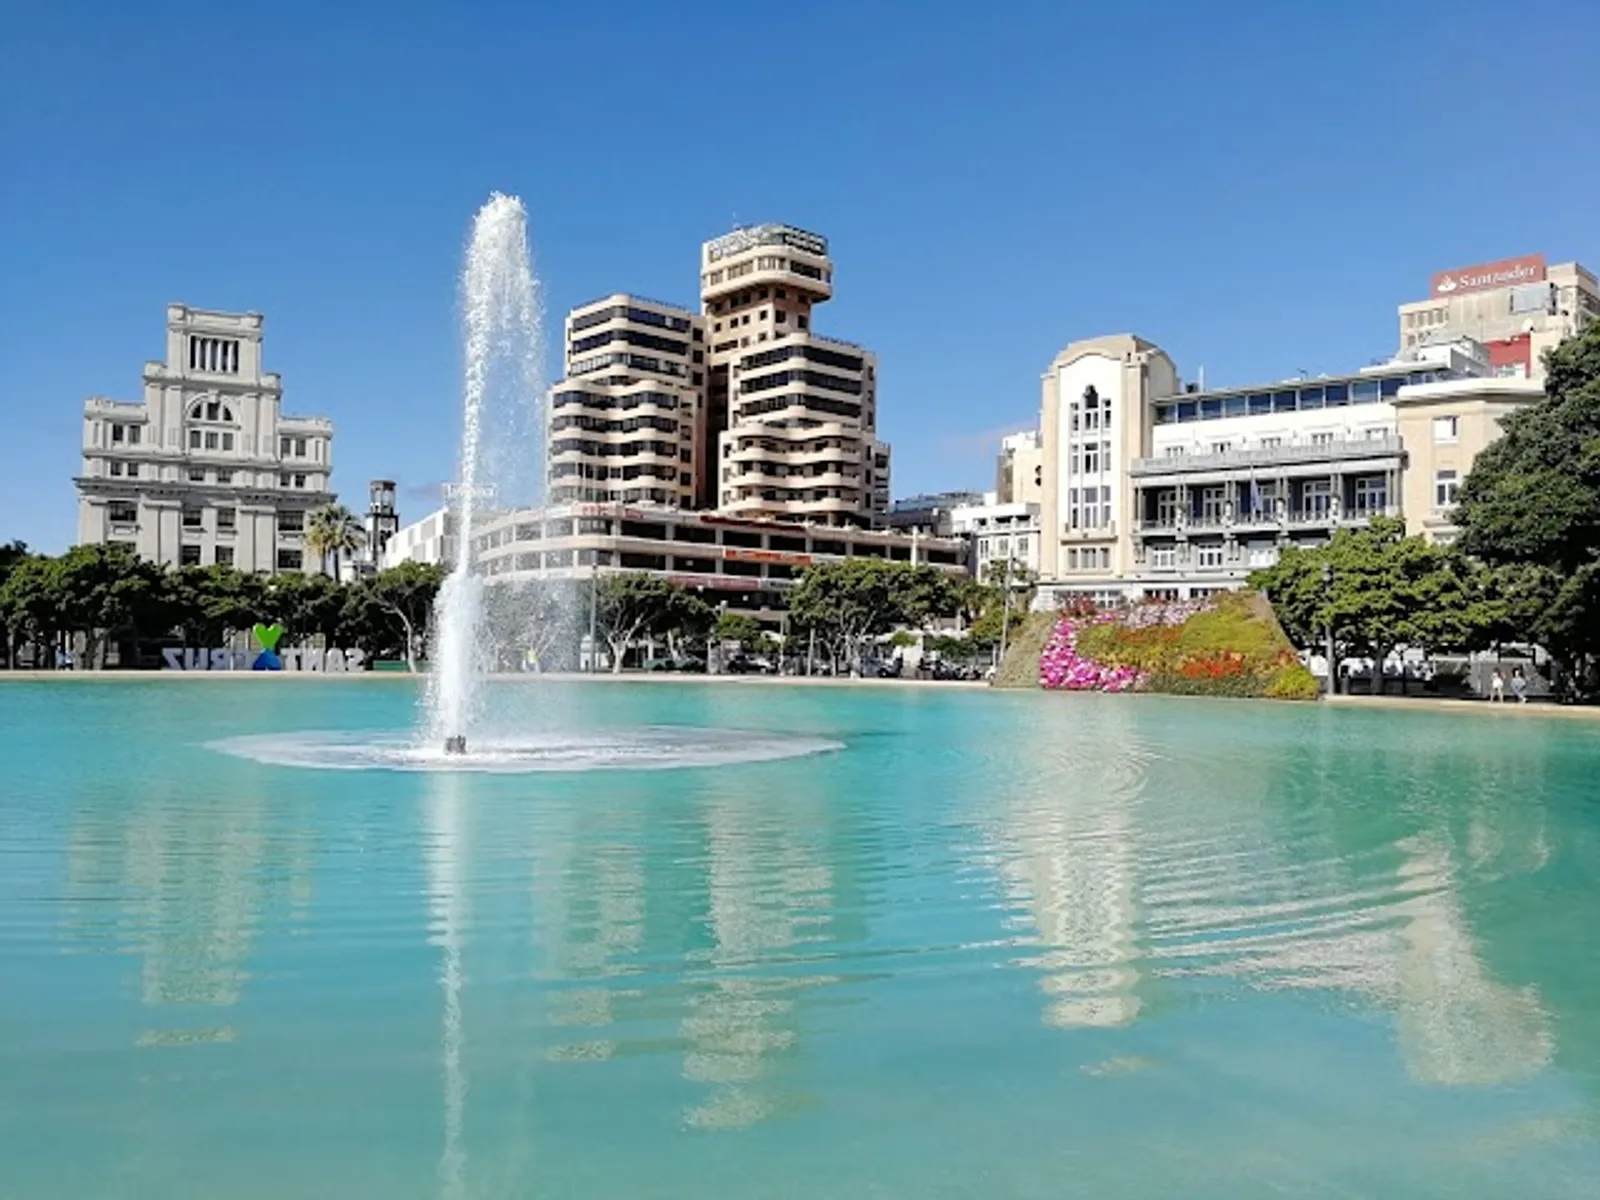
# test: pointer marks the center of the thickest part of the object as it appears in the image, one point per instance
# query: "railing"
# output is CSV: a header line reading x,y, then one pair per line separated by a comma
x,y
1266,520
1300,453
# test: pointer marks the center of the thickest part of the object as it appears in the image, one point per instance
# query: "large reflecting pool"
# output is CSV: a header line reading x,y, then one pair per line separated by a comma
x,y
997,945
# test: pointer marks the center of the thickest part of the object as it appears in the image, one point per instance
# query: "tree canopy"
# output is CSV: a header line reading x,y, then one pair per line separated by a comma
x,y
1530,507
1378,591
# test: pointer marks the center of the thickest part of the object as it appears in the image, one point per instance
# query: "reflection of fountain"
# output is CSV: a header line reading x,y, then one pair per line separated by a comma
x,y
501,394
448,908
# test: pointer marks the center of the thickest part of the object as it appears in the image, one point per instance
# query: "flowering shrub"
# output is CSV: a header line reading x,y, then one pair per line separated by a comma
x,y
1227,646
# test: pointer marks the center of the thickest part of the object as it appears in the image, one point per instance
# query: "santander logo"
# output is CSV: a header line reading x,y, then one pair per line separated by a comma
x,y
1447,285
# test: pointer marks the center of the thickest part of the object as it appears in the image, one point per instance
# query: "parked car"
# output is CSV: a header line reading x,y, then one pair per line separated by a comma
x,y
745,664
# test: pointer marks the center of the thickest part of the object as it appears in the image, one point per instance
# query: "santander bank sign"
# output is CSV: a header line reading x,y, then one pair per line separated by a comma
x,y
1508,272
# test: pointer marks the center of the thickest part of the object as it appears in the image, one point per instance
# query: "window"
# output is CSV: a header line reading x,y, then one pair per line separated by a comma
x,y
1271,443
291,522
224,518
284,446
1208,554
1445,487
224,476
194,439
299,447
192,518
1372,494
289,560
116,467
1221,447
197,474
227,441
1213,503
1446,429
1174,451
1322,439
224,556
211,439
123,512
189,555
1318,497
299,481
1163,558
117,434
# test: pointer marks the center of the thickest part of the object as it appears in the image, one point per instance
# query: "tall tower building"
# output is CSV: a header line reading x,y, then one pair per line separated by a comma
x,y
206,469
792,415
627,423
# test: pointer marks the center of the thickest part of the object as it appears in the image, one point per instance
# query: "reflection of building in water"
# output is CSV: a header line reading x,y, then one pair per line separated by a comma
x,y
1070,864
1401,941
1457,1024
590,892
192,882
770,891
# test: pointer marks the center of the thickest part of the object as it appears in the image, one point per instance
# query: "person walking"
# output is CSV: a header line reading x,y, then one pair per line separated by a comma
x,y
1497,687
1519,685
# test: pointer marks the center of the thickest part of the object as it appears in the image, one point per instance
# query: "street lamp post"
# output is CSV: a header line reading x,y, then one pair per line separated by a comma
x,y
1327,593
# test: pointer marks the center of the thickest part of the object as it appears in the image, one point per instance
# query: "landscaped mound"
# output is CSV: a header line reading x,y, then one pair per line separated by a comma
x,y
1228,645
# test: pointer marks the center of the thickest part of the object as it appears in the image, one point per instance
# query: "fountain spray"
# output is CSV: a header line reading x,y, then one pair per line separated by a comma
x,y
500,404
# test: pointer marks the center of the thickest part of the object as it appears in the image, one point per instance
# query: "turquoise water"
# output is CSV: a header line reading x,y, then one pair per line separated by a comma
x,y
998,945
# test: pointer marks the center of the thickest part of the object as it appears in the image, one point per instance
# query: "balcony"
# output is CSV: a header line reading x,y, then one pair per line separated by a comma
x,y
1298,518
1299,454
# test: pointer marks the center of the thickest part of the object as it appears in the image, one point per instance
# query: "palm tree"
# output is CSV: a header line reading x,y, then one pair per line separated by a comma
x,y
333,531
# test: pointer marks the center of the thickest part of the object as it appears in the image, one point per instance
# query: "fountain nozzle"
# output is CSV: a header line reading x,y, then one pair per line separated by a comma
x,y
456,745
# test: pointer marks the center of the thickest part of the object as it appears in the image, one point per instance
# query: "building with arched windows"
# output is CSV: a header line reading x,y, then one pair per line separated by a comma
x,y
206,469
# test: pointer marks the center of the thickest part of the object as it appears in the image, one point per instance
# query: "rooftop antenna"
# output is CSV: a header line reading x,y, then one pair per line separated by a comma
x,y
1202,379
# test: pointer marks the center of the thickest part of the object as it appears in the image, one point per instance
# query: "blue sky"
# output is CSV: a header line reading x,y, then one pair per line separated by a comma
x,y
1254,186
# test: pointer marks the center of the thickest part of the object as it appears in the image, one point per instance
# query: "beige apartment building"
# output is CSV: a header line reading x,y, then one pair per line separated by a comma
x,y
206,469
1158,489
627,424
795,413
1517,308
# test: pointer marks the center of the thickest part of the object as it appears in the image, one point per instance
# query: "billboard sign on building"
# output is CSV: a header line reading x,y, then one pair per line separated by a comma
x,y
1508,272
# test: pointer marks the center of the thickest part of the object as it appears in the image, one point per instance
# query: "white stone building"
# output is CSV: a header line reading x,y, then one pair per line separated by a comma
x,y
998,532
206,469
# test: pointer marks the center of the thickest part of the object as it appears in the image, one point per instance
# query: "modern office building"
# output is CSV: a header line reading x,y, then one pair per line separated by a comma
x,y
627,423
929,513
206,469
1155,489
1516,308
430,541
795,413
745,563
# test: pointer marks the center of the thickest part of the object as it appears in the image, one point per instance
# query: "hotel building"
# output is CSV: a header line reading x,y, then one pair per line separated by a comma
x,y
795,412
1152,488
745,563
627,423
1516,309
206,469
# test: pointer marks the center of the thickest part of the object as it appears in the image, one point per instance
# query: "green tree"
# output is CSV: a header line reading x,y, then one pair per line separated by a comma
x,y
211,604
306,606
394,609
1378,591
847,603
11,553
630,605
30,599
105,593
332,532
1530,508
742,629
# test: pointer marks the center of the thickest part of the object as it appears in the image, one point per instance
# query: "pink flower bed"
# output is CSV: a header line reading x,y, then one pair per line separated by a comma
x,y
1062,668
